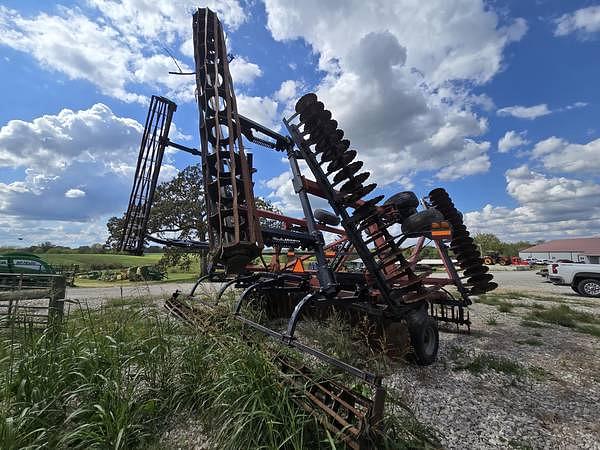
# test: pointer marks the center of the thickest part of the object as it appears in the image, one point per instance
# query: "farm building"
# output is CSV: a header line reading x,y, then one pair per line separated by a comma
x,y
586,250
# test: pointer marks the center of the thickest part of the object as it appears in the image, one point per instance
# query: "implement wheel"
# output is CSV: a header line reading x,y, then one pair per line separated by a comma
x,y
425,340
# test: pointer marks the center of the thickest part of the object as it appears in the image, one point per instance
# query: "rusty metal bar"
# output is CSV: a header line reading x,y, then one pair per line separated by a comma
x,y
154,140
233,228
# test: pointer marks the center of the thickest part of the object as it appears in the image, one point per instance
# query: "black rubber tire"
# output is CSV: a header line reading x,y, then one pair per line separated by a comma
x,y
401,200
421,222
589,287
326,217
425,340
575,288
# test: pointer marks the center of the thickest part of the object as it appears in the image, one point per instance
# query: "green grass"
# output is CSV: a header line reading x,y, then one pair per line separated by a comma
x,y
506,307
498,300
564,316
88,262
520,445
485,362
358,344
491,321
455,352
100,260
115,378
112,379
589,329
545,298
172,277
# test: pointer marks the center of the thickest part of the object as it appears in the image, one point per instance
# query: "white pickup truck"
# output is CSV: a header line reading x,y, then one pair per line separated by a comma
x,y
583,278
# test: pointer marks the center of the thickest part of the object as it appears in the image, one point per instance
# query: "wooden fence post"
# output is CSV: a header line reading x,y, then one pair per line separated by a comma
x,y
56,305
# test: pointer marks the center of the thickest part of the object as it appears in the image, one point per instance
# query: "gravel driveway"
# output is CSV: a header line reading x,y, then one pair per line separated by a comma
x,y
98,294
508,280
527,280
548,400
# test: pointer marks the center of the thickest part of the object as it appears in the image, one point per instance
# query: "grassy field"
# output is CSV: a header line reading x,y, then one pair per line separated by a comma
x,y
99,261
88,261
172,277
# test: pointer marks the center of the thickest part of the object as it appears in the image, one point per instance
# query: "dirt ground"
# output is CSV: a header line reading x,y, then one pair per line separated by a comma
x,y
548,400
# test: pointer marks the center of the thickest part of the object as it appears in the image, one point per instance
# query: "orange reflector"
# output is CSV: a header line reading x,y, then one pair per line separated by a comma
x,y
441,233
298,267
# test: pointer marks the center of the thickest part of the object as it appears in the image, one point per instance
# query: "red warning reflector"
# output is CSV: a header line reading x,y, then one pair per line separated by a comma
x,y
298,266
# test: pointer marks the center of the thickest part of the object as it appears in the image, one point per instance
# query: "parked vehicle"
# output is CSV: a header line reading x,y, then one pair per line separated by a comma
x,y
583,278
492,258
542,273
23,263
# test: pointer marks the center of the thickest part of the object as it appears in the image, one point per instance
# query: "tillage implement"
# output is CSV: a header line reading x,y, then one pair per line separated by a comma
x,y
384,236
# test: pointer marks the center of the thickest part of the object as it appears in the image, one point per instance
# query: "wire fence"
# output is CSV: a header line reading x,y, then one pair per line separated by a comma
x,y
36,299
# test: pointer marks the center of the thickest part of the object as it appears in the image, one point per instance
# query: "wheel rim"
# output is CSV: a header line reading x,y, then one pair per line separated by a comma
x,y
429,341
591,288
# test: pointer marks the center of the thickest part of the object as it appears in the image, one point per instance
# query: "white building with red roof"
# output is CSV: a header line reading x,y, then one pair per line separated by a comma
x,y
586,250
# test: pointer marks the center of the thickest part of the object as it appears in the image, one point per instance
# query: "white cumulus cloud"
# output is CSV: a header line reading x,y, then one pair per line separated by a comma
x,y
88,155
389,78
512,139
584,21
244,71
51,143
548,207
525,112
75,193
559,155
120,46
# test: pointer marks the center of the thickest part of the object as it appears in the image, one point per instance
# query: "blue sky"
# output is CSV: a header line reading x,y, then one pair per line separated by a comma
x,y
496,101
